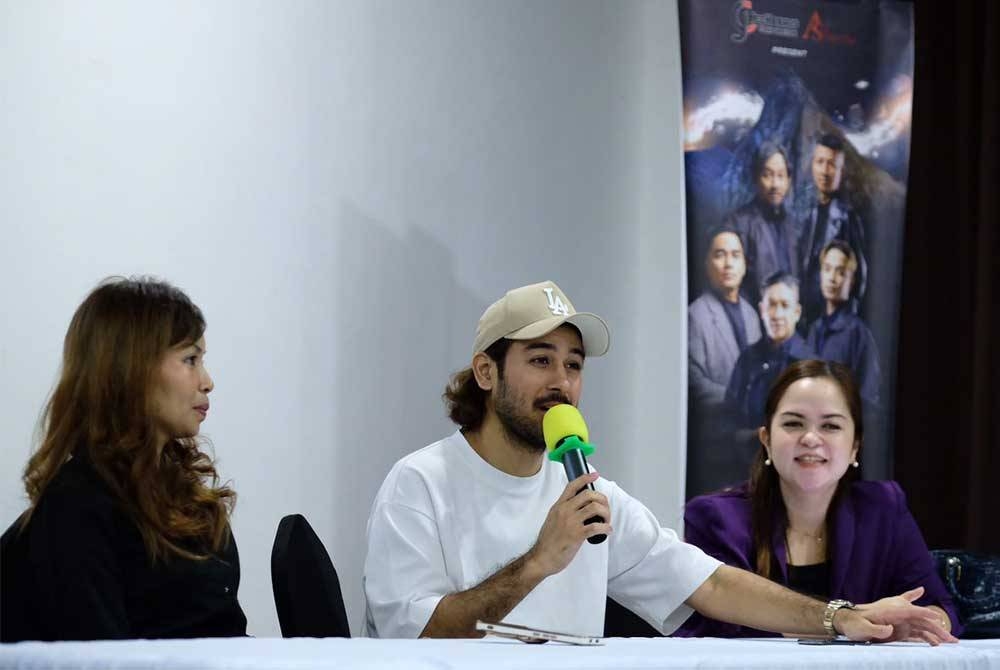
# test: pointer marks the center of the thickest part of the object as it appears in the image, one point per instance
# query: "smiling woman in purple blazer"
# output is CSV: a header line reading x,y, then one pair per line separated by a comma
x,y
804,520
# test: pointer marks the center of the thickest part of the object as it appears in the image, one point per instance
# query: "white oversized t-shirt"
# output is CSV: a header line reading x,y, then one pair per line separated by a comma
x,y
445,520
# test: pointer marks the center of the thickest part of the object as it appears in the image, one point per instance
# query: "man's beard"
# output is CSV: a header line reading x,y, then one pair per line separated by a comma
x,y
522,430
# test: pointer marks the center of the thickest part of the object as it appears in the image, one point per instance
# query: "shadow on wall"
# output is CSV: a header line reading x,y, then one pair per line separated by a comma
x,y
402,323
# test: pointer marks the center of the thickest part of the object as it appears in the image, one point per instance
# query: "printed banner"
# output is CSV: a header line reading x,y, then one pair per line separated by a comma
x,y
797,140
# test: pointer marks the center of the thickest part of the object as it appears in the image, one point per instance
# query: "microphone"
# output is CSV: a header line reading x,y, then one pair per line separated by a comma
x,y
566,439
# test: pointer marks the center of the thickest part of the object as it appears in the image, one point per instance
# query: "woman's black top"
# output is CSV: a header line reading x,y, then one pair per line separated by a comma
x,y
813,580
85,573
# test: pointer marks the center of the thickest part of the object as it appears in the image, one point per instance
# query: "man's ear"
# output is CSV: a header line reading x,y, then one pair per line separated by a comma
x,y
484,369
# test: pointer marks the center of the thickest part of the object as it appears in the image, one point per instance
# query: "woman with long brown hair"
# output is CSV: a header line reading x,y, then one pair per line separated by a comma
x,y
127,533
805,520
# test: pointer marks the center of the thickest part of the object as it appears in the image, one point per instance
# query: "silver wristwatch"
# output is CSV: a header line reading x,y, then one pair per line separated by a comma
x,y
830,611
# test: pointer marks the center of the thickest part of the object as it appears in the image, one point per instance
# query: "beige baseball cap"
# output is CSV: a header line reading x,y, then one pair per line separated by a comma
x,y
535,310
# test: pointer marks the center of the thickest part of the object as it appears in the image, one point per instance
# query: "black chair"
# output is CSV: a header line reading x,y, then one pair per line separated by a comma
x,y
306,588
619,621
973,580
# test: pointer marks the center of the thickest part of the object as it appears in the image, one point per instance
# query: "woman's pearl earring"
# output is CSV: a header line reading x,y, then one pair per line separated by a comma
x,y
856,464
767,461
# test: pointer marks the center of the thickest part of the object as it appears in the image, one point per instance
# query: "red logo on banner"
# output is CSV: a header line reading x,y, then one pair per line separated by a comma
x,y
817,30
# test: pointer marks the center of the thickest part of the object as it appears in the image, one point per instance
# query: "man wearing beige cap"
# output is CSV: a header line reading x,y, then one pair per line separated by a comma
x,y
481,525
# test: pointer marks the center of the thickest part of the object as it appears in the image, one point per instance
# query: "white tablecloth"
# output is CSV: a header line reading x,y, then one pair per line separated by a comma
x,y
489,654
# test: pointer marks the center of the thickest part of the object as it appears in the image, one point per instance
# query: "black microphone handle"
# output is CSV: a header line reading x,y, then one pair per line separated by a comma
x,y
576,465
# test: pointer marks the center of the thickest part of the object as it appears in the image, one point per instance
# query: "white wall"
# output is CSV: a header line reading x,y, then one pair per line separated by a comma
x,y
343,187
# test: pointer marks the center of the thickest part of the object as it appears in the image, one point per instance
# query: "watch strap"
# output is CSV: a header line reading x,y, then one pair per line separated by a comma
x,y
831,611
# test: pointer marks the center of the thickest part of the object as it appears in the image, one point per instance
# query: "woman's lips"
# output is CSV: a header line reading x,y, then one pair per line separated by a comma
x,y
809,459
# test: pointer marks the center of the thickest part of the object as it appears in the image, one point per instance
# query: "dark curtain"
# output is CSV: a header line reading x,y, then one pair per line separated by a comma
x,y
947,447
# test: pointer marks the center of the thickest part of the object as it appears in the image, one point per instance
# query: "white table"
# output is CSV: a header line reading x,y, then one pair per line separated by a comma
x,y
489,654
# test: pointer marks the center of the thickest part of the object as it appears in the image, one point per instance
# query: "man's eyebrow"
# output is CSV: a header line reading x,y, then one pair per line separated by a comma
x,y
195,345
548,346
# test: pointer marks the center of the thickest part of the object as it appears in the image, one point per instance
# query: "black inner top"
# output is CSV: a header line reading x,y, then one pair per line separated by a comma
x,y
813,580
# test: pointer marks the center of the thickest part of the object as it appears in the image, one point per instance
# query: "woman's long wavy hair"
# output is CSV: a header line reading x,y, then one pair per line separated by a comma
x,y
111,359
765,490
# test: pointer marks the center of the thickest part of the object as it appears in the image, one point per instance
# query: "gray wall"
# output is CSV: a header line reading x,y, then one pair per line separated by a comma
x,y
343,187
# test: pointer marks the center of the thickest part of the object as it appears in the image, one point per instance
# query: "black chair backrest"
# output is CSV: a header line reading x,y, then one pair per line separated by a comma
x,y
973,580
306,588
15,624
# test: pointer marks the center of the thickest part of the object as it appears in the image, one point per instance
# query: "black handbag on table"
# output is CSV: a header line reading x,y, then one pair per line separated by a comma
x,y
973,580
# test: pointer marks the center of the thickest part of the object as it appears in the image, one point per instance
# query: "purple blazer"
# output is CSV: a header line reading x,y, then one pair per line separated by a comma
x,y
876,550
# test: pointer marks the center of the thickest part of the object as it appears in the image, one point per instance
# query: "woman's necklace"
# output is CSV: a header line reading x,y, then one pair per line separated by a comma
x,y
812,536
810,553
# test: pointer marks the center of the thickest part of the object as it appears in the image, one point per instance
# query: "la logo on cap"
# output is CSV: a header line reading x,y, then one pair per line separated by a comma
x,y
556,304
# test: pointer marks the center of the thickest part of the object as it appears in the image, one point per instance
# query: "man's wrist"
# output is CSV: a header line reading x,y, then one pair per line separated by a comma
x,y
532,569
833,608
838,617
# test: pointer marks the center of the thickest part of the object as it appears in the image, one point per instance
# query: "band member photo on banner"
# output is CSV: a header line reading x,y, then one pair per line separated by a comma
x,y
797,140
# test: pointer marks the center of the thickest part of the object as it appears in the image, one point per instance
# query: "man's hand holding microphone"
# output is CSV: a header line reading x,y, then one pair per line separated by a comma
x,y
581,512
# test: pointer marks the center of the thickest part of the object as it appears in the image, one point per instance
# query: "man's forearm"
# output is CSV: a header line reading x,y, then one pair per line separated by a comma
x,y
740,597
491,600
